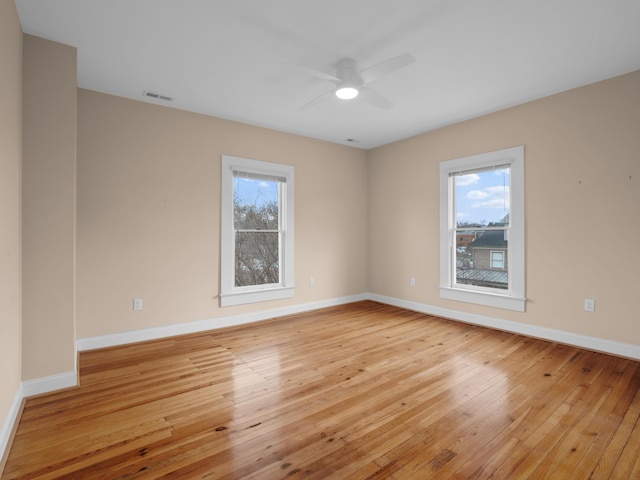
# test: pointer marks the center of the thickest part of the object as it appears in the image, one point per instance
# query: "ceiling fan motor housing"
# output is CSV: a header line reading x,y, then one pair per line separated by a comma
x,y
348,74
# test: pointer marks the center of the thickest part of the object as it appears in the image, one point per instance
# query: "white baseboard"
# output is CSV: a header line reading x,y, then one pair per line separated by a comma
x,y
9,423
103,341
49,384
29,388
591,343
575,339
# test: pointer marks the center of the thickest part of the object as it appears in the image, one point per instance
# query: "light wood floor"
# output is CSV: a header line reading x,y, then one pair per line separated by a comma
x,y
362,391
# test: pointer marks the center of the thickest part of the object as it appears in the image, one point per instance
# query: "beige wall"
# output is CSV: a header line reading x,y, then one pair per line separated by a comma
x,y
10,157
49,156
148,216
582,175
149,213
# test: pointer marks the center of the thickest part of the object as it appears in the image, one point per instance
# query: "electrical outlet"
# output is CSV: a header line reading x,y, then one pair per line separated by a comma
x,y
137,304
312,282
589,305
412,281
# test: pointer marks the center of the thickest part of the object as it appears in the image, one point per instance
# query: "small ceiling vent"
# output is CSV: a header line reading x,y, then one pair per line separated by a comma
x,y
157,96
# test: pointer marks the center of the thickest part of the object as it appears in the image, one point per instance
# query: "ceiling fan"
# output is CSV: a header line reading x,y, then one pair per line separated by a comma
x,y
350,82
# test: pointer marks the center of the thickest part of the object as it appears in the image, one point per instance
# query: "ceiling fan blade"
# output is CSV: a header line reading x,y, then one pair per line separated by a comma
x,y
375,98
379,70
313,72
319,99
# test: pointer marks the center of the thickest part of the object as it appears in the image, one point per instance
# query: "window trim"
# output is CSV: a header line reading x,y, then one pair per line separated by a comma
x,y
514,297
231,295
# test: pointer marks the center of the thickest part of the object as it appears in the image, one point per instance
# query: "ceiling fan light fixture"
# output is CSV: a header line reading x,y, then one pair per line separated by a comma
x,y
347,92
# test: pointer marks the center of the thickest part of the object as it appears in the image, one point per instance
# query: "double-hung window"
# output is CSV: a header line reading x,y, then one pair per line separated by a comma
x,y
482,199
256,232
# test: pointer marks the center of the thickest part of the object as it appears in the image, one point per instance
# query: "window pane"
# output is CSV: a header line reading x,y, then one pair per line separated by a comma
x,y
255,204
257,259
482,198
483,262
497,260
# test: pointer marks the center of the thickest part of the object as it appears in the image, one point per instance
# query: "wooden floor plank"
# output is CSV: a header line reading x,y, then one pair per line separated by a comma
x,y
359,391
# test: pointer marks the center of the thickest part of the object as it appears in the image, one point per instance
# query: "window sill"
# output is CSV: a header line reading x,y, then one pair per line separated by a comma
x,y
255,296
483,298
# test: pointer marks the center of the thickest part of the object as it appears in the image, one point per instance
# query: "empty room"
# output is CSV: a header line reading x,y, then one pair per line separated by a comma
x,y
319,239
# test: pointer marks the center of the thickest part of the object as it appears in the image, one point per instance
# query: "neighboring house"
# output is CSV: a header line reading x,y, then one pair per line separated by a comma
x,y
489,251
464,239
489,261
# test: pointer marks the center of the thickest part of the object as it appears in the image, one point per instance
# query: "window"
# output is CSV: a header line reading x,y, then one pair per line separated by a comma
x,y
257,231
482,199
497,260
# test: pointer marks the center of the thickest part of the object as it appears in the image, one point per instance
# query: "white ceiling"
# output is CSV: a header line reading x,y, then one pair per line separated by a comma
x,y
228,58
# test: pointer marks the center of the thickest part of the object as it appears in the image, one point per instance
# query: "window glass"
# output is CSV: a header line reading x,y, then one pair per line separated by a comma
x,y
481,209
482,196
256,214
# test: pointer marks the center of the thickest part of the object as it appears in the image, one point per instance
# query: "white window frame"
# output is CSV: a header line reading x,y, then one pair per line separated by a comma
x,y
230,294
513,298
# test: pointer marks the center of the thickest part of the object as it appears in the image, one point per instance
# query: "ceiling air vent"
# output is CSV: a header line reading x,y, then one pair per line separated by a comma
x,y
157,96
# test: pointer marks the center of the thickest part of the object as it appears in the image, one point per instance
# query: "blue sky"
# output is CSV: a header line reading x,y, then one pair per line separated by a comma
x,y
482,197
251,191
